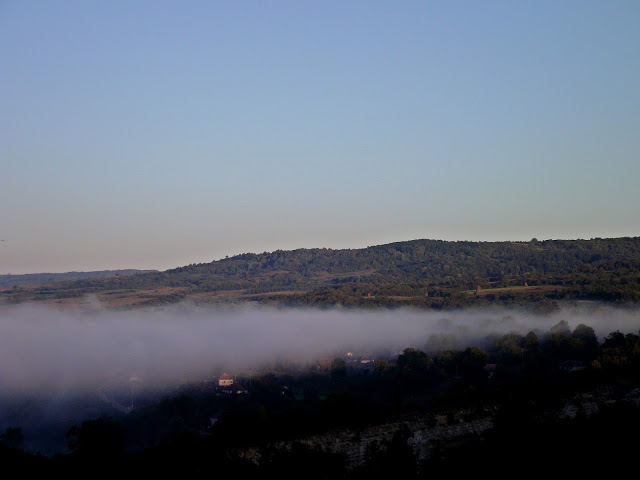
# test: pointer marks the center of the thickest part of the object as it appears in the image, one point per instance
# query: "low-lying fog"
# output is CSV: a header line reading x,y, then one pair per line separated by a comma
x,y
52,353
57,350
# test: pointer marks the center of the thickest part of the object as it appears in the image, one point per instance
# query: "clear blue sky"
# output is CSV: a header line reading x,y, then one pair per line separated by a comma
x,y
157,134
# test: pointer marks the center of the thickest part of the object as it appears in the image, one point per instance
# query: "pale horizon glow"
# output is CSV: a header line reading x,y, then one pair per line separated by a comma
x,y
153,135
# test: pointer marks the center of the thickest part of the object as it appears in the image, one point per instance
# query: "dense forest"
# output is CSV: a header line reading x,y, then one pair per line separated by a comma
x,y
558,400
422,273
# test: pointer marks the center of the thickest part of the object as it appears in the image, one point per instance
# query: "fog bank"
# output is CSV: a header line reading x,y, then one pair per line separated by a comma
x,y
54,351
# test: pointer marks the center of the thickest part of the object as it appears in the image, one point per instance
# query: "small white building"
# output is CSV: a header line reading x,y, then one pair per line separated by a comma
x,y
225,380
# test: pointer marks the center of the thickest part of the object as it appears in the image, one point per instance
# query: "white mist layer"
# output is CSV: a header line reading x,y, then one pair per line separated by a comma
x,y
58,351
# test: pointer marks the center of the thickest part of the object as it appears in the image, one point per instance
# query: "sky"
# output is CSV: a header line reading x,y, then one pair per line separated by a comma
x,y
158,134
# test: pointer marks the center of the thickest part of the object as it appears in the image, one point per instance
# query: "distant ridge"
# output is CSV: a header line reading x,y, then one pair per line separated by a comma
x,y
38,278
434,274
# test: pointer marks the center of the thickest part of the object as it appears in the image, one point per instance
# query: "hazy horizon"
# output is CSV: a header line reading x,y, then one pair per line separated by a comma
x,y
137,135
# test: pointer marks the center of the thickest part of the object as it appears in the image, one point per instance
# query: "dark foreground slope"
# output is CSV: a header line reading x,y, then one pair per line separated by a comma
x,y
429,273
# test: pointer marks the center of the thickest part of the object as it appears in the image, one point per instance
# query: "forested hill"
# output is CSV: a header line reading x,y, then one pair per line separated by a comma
x,y
433,273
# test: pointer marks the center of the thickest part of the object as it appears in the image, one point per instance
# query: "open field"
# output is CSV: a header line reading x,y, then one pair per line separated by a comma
x,y
516,289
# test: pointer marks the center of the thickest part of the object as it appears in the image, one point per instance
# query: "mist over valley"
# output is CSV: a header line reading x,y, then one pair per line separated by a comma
x,y
64,365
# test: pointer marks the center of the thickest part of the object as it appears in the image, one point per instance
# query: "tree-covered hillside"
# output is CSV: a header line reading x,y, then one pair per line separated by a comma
x,y
433,273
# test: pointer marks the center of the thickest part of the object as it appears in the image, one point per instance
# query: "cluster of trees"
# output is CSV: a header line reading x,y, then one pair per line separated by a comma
x,y
522,378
